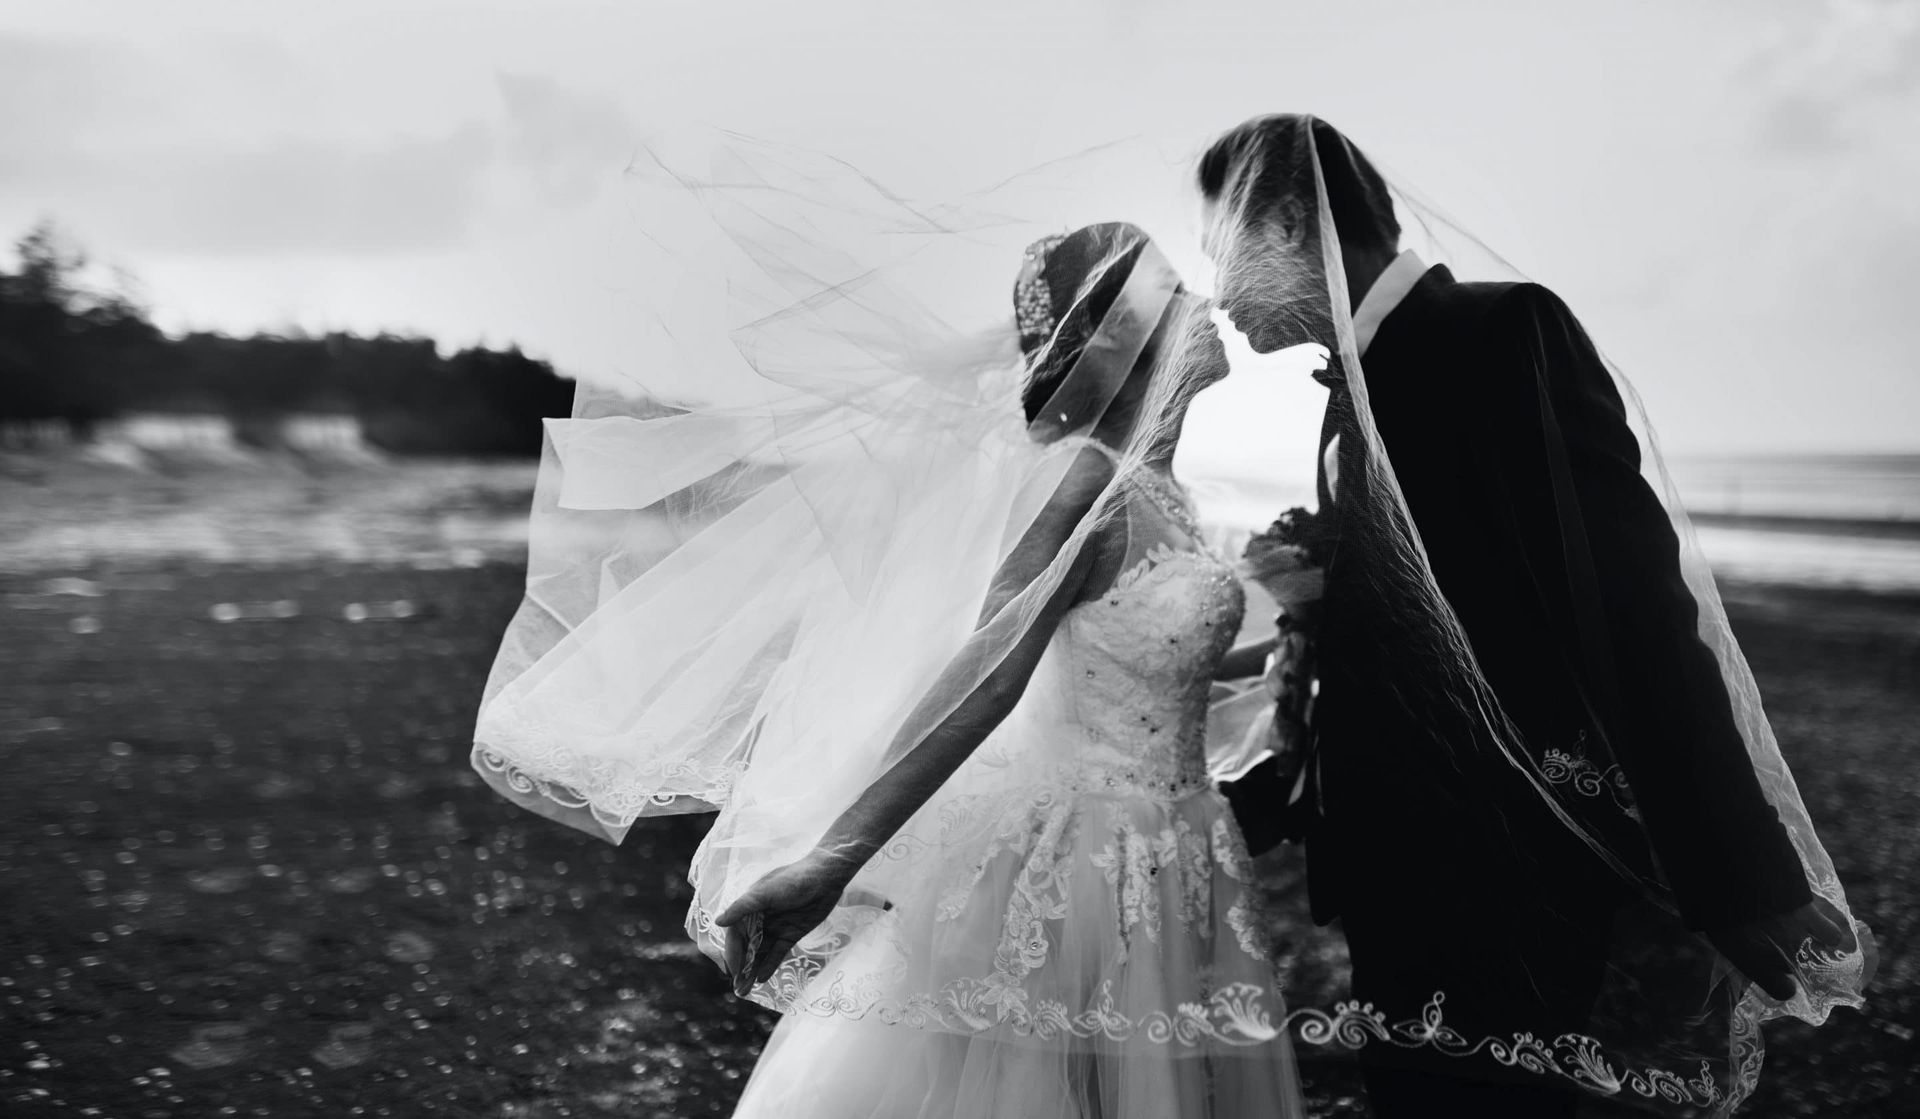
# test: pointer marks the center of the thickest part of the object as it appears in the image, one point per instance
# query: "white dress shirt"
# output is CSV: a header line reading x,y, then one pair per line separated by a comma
x,y
1388,290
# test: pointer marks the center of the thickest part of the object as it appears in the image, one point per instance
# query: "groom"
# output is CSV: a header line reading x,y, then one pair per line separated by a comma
x,y
1540,531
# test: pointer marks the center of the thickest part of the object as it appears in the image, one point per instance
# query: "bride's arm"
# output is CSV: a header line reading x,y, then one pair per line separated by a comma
x,y
1247,660
797,897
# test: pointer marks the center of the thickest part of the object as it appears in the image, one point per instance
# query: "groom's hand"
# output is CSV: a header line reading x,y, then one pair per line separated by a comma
x,y
1254,799
1764,949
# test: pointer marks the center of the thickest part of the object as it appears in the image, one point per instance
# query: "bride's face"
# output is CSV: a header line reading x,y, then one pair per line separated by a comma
x,y
1186,349
1205,356
1188,346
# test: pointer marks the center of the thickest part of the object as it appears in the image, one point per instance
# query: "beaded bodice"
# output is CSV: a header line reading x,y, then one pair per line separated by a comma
x,y
1136,666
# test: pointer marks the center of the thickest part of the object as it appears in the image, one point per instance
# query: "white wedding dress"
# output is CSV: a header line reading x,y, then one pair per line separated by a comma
x,y
1071,936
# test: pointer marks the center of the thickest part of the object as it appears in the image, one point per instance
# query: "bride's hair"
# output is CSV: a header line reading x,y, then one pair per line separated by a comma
x,y
1067,285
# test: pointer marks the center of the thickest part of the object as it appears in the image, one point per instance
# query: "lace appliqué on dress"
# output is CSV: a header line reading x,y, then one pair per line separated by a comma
x,y
1132,860
1116,807
1230,852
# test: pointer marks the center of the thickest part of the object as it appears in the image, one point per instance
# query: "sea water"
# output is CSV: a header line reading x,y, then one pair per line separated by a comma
x,y
1810,520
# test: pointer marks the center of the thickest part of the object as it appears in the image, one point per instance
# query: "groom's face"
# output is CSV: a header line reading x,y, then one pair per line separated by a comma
x,y
1264,276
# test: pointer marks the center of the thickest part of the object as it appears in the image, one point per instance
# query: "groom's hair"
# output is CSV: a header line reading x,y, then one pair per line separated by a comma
x,y
1357,196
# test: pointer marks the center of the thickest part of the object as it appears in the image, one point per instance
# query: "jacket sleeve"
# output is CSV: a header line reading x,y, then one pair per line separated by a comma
x,y
1671,726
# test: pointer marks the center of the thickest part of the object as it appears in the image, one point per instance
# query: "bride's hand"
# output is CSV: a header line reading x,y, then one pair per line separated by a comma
x,y
775,912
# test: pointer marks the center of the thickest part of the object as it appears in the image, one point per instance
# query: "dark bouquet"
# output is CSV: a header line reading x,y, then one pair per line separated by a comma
x,y
1289,561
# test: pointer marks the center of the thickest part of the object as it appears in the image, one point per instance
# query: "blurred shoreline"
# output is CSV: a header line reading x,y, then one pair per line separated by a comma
x,y
1835,521
66,510
265,510
1814,526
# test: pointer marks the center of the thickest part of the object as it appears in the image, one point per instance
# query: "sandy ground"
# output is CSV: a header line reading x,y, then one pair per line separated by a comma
x,y
246,870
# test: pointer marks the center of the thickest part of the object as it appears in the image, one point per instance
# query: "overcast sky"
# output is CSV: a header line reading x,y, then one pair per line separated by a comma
x,y
1727,191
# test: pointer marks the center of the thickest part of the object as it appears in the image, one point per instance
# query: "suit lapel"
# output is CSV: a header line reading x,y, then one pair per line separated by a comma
x,y
1391,337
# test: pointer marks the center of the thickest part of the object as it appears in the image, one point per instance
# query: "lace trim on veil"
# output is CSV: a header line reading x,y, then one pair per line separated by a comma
x,y
617,793
1574,1057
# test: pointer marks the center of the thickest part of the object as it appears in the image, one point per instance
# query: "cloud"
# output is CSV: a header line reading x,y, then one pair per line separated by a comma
x,y
1832,204
56,89
567,143
294,196
201,156
1842,76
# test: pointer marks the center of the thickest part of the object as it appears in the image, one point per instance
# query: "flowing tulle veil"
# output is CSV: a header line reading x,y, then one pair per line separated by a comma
x,y
747,599
754,562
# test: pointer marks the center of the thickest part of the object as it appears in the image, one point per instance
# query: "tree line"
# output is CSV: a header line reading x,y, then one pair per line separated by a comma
x,y
74,353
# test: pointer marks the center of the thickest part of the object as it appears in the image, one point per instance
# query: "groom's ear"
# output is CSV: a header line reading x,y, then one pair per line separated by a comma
x,y
1220,225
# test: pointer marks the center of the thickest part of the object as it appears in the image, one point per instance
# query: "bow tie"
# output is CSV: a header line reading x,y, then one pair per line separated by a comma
x,y
1331,377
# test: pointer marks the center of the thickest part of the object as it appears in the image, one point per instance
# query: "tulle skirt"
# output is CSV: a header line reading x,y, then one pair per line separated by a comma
x,y
1081,956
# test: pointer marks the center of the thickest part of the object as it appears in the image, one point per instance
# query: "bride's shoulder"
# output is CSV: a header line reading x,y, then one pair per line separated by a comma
x,y
1091,467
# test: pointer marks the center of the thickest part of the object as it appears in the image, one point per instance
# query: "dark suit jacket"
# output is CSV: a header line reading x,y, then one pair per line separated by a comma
x,y
1416,813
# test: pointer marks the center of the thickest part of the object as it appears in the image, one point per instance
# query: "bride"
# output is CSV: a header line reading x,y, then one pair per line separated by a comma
x,y
1092,949
932,627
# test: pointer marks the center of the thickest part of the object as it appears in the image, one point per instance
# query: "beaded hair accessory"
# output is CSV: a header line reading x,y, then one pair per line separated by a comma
x,y
1032,298
1103,364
